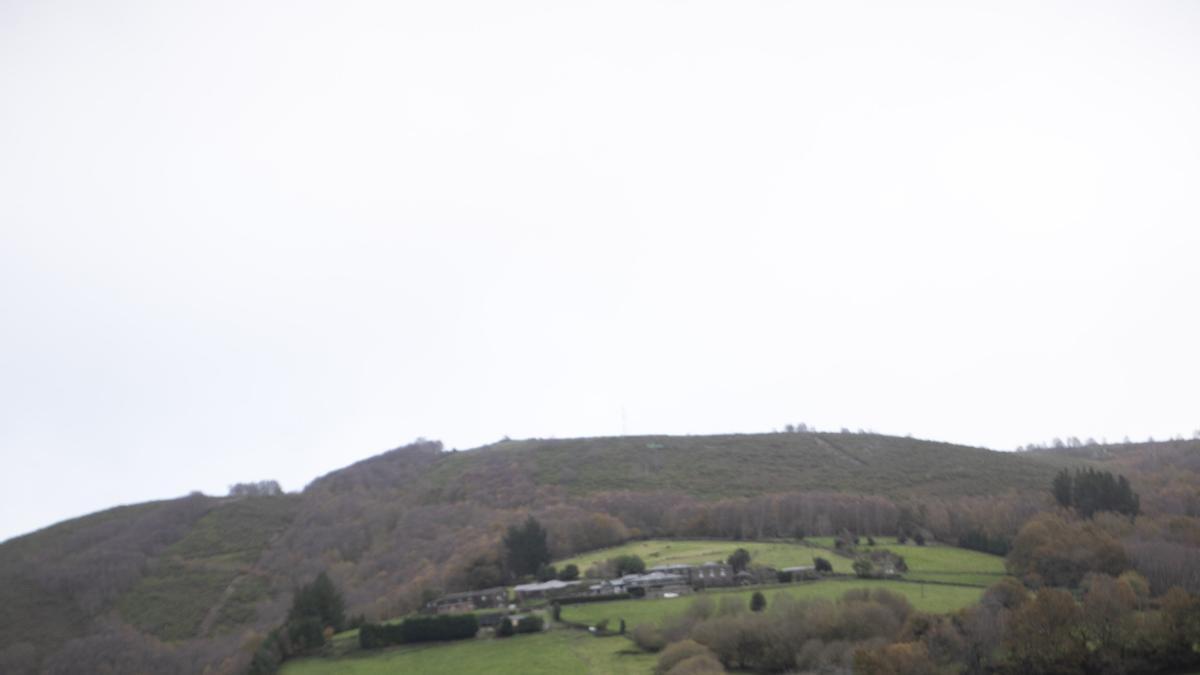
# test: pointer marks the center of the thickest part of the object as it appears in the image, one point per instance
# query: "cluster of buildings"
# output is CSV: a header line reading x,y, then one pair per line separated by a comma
x,y
657,582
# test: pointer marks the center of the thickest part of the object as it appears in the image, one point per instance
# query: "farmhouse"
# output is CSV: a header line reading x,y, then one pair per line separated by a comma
x,y
656,584
545,589
469,601
803,572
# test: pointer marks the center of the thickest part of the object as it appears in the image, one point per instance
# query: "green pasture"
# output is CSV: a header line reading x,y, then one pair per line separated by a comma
x,y
556,652
933,598
934,562
696,551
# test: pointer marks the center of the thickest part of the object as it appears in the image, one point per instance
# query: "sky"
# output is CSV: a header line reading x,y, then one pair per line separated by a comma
x,y
263,240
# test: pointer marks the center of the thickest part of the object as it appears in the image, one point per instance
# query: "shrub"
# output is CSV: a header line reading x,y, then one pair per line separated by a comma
x,y
420,629
738,560
569,573
698,665
627,564
822,565
678,652
546,573
758,602
505,628
863,568
375,636
530,624
919,539
648,637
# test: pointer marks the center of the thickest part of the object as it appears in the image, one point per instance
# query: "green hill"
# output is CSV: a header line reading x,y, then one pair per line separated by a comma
x,y
166,586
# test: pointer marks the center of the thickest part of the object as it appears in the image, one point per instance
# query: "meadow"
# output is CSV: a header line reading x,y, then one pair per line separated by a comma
x,y
696,551
936,562
934,598
569,652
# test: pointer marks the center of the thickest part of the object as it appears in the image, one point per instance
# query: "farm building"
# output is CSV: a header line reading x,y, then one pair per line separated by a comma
x,y
545,589
469,601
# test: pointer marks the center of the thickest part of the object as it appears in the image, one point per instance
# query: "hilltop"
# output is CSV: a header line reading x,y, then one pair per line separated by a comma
x,y
169,586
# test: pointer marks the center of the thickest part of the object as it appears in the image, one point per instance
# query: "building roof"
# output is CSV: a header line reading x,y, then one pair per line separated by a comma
x,y
552,585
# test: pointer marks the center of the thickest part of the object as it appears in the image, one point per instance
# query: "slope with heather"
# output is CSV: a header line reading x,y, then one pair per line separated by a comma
x,y
174,585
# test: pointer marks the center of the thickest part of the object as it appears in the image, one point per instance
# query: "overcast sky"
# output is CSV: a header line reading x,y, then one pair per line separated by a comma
x,y
246,240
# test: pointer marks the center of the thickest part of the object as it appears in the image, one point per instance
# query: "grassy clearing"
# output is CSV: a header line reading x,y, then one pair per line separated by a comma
x,y
557,652
695,551
925,597
935,562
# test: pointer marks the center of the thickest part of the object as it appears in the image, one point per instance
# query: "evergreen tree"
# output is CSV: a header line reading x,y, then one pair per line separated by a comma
x,y
525,547
1062,488
319,602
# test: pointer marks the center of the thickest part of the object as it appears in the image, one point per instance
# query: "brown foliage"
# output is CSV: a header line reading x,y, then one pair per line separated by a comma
x,y
1056,551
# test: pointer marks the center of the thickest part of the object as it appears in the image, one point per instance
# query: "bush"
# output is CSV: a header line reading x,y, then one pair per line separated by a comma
x,y
569,573
505,628
585,599
530,624
440,627
648,637
627,564
376,636
758,602
919,539
823,565
738,560
681,651
698,665
419,629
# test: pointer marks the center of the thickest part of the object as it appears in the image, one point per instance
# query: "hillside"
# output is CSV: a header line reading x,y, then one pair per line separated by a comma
x,y
172,586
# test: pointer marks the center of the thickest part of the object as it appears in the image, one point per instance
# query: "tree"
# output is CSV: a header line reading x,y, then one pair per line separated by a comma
x,y
738,560
318,603
569,573
505,628
758,602
627,564
823,565
546,573
525,547
262,488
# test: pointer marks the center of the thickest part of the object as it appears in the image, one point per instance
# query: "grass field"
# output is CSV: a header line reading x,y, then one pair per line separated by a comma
x,y
925,597
557,652
935,562
695,551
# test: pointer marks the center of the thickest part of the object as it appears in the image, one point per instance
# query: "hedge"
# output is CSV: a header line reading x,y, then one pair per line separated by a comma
x,y
530,624
584,599
418,629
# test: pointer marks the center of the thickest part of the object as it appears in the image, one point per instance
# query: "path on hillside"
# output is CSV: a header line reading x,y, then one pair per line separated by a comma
x,y
835,450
